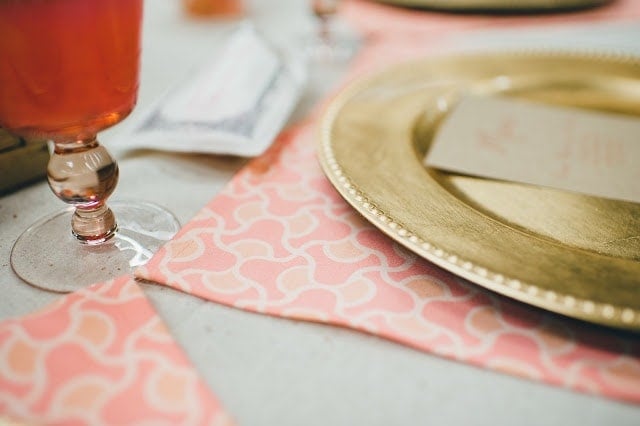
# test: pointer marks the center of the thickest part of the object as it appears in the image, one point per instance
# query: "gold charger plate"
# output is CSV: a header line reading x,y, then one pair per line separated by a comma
x,y
498,5
569,253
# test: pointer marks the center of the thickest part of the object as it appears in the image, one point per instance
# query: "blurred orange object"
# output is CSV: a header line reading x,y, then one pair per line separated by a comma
x,y
211,8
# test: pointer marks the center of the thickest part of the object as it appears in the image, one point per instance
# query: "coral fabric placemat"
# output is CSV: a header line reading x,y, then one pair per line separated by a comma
x,y
100,356
280,240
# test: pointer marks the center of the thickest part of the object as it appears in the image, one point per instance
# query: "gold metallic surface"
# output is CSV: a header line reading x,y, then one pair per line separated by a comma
x,y
498,5
569,253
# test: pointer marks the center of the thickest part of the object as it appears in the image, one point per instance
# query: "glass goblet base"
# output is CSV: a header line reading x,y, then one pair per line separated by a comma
x,y
335,48
49,257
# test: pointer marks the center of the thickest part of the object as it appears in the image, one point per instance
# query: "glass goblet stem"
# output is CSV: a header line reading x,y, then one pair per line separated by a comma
x,y
324,10
83,174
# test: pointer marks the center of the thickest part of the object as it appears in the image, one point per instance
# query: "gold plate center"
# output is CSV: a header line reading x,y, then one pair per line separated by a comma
x,y
569,253
603,226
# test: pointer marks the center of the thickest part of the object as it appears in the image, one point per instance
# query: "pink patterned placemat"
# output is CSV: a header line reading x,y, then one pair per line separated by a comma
x,y
100,356
280,240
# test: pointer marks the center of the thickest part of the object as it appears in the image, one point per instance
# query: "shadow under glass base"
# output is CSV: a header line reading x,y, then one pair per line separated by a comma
x,y
49,257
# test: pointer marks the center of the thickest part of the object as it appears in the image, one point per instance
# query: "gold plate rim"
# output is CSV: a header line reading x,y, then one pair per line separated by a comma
x,y
498,5
603,313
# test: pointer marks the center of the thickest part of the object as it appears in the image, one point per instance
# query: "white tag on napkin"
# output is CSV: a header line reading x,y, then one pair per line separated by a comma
x,y
565,148
236,104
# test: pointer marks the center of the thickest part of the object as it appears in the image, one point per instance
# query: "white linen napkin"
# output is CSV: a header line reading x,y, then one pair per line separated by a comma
x,y
236,103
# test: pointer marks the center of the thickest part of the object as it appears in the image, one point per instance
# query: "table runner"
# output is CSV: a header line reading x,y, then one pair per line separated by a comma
x,y
99,356
279,240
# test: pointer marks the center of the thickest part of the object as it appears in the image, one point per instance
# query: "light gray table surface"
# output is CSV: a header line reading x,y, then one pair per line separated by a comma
x,y
272,371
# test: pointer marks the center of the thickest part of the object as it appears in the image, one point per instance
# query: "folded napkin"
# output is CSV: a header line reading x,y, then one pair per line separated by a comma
x,y
235,103
99,356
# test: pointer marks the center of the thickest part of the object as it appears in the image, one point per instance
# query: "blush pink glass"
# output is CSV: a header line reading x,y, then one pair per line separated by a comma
x,y
69,69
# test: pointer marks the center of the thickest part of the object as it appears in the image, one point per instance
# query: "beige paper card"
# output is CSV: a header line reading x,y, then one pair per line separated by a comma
x,y
565,148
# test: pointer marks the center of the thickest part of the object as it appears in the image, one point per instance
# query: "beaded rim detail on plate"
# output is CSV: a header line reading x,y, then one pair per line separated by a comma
x,y
466,268
525,292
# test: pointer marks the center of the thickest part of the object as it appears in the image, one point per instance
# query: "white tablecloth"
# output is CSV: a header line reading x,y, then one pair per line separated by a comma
x,y
271,371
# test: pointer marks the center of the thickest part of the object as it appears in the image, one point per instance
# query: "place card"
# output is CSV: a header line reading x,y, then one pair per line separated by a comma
x,y
572,149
